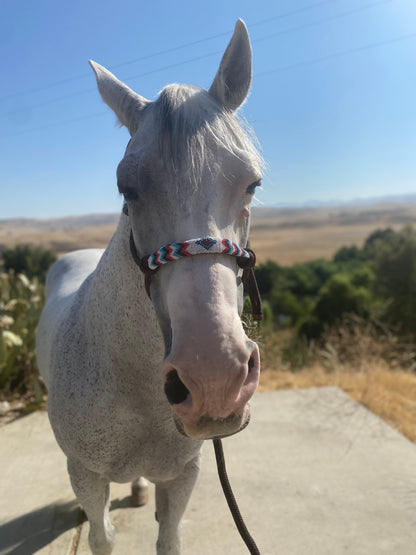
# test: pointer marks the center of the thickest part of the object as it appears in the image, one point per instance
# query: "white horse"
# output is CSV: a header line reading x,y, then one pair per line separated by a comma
x,y
136,383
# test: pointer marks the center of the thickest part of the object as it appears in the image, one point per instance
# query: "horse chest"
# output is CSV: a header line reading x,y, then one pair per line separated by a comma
x,y
156,459
124,443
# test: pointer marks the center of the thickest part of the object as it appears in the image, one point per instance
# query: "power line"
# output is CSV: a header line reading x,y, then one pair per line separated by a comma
x,y
323,20
228,33
168,50
273,35
296,65
337,55
144,74
219,52
296,12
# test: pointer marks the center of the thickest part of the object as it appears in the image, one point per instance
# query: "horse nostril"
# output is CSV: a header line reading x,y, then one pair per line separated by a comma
x,y
175,390
251,364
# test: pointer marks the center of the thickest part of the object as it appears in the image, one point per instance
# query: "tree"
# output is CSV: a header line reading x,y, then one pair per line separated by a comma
x,y
308,278
394,266
385,236
348,254
267,275
363,276
286,307
337,297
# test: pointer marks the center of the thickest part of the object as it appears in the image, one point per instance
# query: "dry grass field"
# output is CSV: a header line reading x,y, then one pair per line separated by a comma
x,y
391,394
377,371
61,235
287,236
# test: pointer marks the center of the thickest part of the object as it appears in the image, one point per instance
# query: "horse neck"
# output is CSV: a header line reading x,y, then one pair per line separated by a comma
x,y
117,280
118,308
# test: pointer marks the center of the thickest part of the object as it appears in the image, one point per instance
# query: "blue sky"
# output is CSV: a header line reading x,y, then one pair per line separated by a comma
x,y
333,101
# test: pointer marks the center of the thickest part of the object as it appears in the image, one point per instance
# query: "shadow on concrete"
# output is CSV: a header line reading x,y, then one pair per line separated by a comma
x,y
32,531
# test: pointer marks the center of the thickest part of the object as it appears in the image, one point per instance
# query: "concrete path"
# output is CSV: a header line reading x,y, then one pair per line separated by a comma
x,y
314,473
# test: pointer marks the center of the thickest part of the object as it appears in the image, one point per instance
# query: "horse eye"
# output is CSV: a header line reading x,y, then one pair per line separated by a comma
x,y
252,188
127,188
130,195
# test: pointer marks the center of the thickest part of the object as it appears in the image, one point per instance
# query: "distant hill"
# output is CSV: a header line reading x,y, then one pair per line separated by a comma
x,y
385,199
392,213
68,223
60,234
285,234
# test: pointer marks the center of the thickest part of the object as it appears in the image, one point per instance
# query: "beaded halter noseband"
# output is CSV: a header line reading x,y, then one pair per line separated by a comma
x,y
176,251
246,260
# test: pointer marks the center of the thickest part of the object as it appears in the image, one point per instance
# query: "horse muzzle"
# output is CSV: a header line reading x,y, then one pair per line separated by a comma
x,y
212,405
208,428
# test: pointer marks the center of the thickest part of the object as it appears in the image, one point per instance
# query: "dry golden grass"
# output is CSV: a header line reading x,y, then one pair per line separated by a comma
x,y
290,236
389,394
285,235
360,364
298,245
60,240
352,360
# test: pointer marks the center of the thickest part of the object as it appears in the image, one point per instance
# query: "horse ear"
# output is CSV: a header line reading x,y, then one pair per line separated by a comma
x,y
125,103
233,79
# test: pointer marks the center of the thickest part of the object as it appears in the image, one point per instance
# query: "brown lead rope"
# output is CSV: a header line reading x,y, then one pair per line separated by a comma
x,y
252,289
250,285
232,503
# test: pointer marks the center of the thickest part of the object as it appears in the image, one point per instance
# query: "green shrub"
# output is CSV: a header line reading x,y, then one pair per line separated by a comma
x,y
28,260
21,302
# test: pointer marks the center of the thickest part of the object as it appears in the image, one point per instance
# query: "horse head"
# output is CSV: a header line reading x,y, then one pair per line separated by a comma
x,y
190,171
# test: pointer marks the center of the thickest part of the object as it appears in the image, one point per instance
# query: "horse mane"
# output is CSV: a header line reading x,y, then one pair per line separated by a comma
x,y
193,128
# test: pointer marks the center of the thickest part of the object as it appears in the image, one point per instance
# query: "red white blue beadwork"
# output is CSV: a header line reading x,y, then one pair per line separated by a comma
x,y
203,245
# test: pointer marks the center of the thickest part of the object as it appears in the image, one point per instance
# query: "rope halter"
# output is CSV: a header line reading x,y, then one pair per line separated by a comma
x,y
204,245
245,257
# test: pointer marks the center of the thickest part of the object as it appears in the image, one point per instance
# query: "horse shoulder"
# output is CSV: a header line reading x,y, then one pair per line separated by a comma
x,y
62,283
68,273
